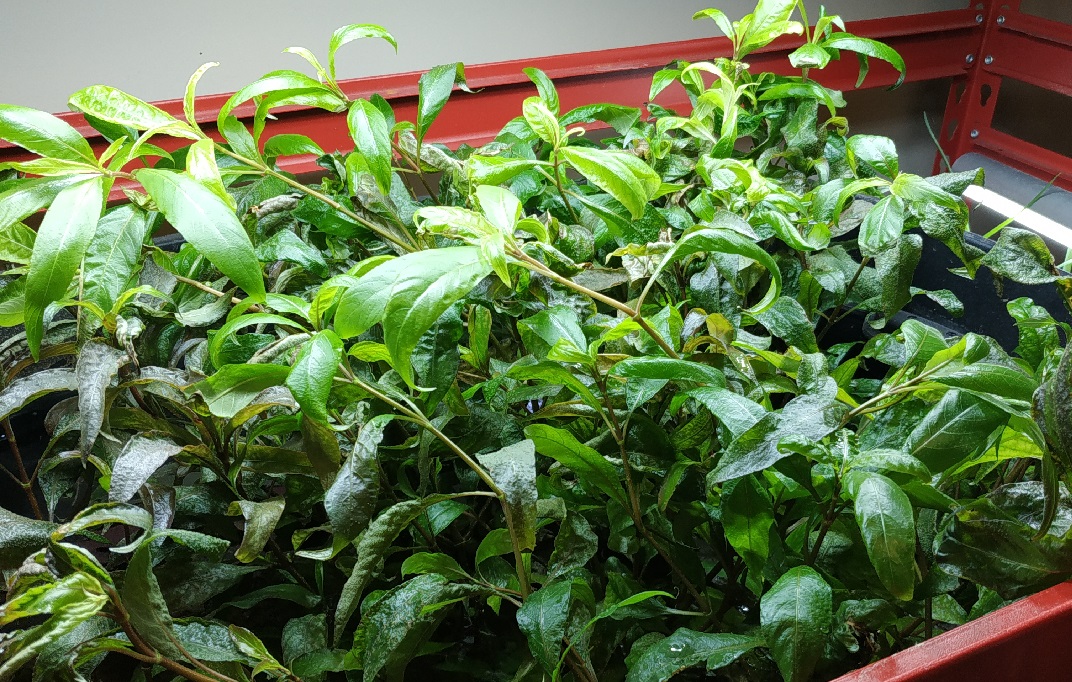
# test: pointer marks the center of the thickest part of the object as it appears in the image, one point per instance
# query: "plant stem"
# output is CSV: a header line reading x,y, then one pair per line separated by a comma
x,y
422,421
562,190
536,266
205,288
844,299
24,478
872,405
304,189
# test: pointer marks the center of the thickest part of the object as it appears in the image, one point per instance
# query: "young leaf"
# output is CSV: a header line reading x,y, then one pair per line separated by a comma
x,y
590,467
372,135
542,121
191,93
114,254
65,232
351,499
796,614
261,519
411,291
43,134
283,82
235,386
312,374
620,174
513,469
888,527
686,649
864,48
115,106
346,34
546,88
201,165
882,225
433,90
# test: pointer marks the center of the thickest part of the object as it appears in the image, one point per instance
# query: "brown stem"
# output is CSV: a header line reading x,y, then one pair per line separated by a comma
x,y
25,481
205,288
562,191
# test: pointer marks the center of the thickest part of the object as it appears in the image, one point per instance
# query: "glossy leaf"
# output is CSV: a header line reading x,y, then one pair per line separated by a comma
x,y
207,223
351,500
951,430
311,377
372,135
96,369
589,466
747,517
346,34
114,254
235,386
796,614
260,521
686,649
62,239
434,88
621,175
43,134
888,526
882,225
513,469
115,106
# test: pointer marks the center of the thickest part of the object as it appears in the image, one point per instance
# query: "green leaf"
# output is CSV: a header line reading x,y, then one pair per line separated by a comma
x,y
97,366
769,21
261,519
205,221
549,327
403,619
24,390
346,34
544,618
137,461
542,121
427,562
546,88
114,254
721,240
809,56
686,649
16,243
645,376
20,537
433,90
188,100
208,641
736,412
436,359
868,154
720,19
313,373
513,469
372,135
747,517
115,106
807,416
68,602
1053,409
371,549
43,134
409,294
62,239
106,513
291,144
888,526
796,614
224,333
620,174
287,246
590,467
283,83
201,166
866,47
786,319
896,267
145,603
351,500
955,428
882,225
1022,256
233,387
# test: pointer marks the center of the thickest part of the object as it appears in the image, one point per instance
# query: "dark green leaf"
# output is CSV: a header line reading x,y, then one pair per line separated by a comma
x,y
261,519
311,377
796,615
1022,256
686,649
114,254
235,386
888,526
351,500
96,368
513,469
145,603
590,467
139,459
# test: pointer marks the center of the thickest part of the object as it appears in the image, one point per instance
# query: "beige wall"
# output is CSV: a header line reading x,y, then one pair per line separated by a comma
x,y
51,48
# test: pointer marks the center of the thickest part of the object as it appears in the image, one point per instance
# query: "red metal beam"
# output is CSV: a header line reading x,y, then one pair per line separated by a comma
x,y
1023,641
932,44
1018,46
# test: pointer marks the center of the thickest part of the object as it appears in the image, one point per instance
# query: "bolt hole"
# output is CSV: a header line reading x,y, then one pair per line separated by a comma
x,y
951,129
984,95
961,87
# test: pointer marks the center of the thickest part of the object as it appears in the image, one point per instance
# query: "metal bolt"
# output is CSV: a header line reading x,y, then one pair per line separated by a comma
x,y
970,59
978,18
974,134
989,59
1001,19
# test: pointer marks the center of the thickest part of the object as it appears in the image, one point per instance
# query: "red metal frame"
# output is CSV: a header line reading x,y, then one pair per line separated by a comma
x,y
1023,641
1018,46
933,46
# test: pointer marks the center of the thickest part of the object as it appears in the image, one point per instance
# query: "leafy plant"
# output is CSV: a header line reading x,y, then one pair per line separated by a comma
x,y
573,410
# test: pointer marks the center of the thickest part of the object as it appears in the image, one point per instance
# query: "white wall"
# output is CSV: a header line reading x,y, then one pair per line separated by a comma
x,y
51,48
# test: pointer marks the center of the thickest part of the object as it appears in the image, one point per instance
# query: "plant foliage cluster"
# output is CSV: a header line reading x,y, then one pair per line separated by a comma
x,y
548,408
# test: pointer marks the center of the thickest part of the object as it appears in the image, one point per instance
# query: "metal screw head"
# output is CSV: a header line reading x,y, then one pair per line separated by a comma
x,y
970,59
974,134
989,59
1001,19
978,18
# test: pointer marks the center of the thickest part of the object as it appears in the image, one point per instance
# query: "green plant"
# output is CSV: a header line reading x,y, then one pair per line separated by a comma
x,y
569,412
